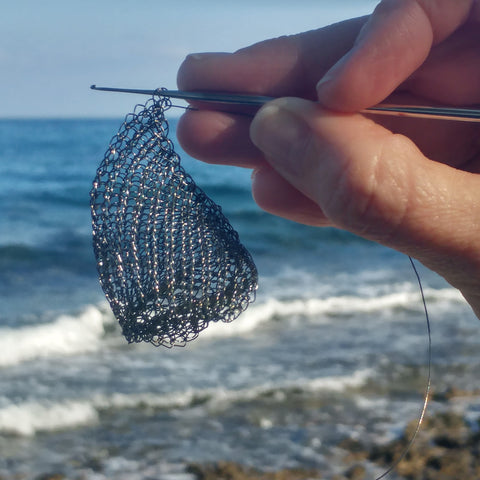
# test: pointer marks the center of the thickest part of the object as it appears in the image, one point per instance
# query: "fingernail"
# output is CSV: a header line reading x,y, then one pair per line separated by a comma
x,y
198,56
325,84
279,132
325,80
204,56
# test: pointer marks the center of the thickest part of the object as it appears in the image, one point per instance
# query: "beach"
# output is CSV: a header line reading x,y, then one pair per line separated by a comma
x,y
331,358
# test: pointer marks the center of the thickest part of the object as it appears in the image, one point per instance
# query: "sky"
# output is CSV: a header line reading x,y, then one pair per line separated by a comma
x,y
52,51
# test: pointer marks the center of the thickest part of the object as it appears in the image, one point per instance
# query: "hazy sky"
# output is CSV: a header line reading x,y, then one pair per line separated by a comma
x,y
52,51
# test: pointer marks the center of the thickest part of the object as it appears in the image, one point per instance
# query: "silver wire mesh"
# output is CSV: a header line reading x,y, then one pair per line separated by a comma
x,y
169,261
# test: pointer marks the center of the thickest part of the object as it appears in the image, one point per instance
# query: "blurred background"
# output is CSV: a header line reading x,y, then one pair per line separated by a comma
x,y
51,54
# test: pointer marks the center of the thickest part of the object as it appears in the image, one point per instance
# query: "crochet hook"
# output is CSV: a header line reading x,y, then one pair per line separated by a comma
x,y
461,114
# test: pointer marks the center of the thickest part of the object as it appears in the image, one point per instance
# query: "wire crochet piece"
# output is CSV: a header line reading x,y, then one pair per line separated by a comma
x,y
169,261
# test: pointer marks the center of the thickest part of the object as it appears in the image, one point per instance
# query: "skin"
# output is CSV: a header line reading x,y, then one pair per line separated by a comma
x,y
409,184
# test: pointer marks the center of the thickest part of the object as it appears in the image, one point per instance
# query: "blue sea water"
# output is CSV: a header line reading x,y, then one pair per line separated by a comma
x,y
334,347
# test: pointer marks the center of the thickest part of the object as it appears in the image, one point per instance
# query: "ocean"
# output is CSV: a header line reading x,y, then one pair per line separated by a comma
x,y
334,347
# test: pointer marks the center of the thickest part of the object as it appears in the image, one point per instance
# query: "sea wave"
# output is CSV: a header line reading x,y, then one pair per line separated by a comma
x,y
29,418
86,332
13,253
67,335
69,251
323,309
213,398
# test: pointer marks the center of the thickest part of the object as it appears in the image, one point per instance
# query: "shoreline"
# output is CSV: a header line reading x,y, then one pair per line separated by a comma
x,y
447,447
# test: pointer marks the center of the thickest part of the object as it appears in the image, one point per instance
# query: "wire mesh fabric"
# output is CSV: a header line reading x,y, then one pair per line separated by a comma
x,y
169,261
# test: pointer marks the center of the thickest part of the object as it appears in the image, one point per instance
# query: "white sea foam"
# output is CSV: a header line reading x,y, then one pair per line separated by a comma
x,y
67,335
28,418
70,335
323,309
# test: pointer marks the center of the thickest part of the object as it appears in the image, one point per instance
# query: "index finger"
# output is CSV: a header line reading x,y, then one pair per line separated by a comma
x,y
394,42
289,65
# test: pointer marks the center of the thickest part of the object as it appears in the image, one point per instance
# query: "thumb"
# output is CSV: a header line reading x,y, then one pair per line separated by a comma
x,y
374,183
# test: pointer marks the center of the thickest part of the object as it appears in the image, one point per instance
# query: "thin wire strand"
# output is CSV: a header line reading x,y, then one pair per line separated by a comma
x,y
429,381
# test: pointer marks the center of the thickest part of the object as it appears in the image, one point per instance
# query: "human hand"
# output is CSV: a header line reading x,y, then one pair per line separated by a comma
x,y
410,184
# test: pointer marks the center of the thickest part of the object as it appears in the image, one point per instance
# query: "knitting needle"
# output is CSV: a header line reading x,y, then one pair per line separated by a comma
x,y
434,112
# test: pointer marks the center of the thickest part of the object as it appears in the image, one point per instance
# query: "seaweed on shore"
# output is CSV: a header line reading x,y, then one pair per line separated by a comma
x,y
235,471
448,448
